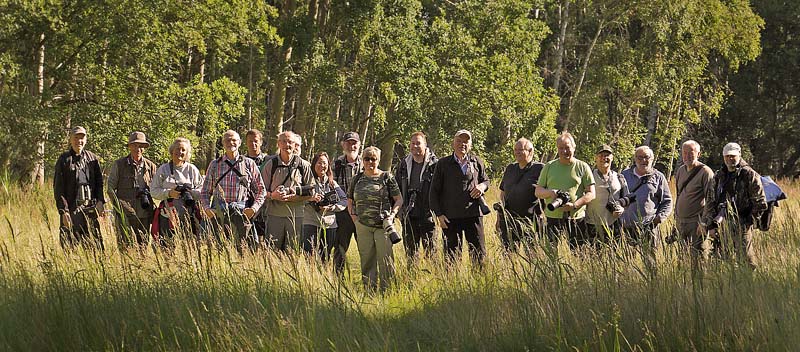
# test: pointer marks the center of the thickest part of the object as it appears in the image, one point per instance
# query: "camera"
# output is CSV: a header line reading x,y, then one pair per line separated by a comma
x,y
303,191
627,200
329,198
498,207
145,199
412,199
185,191
562,198
388,227
84,195
613,206
722,210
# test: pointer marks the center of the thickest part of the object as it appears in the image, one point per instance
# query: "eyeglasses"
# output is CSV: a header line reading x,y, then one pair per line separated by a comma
x,y
370,159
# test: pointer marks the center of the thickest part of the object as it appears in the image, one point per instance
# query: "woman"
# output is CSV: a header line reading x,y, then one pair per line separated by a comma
x,y
177,184
373,198
319,221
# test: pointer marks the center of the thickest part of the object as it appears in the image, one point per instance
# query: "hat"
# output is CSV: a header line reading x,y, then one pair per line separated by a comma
x,y
77,130
138,137
731,149
351,135
604,148
460,132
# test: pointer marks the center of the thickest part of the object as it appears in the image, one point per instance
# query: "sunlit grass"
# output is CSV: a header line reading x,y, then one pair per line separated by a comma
x,y
211,299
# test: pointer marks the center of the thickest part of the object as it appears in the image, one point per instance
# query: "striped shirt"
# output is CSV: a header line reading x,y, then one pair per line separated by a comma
x,y
232,187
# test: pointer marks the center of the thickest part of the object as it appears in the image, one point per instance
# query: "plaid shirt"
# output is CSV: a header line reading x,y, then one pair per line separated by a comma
x,y
231,187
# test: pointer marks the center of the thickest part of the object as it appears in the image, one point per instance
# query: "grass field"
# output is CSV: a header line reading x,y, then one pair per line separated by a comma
x,y
205,299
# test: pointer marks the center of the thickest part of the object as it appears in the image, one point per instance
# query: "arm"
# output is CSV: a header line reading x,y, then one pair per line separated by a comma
x,y
342,205
435,190
58,186
586,198
541,190
97,179
112,184
664,208
759,197
157,188
257,188
206,190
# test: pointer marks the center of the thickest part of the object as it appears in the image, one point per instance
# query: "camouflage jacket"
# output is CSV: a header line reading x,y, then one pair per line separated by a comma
x,y
372,196
741,189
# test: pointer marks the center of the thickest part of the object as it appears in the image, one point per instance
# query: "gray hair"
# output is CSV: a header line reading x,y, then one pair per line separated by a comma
x,y
646,149
290,136
229,134
178,141
371,150
566,136
691,143
526,143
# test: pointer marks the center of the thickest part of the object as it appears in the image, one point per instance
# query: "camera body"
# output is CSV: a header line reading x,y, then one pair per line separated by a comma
x,y
145,199
722,211
388,227
562,197
329,198
614,206
185,191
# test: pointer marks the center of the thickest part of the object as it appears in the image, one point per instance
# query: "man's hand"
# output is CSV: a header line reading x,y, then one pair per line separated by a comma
x,y
174,194
210,213
568,206
656,220
443,221
475,191
66,220
317,197
617,214
249,213
279,196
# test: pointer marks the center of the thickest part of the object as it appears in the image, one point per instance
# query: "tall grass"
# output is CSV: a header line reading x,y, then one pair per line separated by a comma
x,y
209,299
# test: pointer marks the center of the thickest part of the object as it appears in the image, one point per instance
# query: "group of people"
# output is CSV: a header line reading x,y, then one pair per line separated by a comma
x,y
285,202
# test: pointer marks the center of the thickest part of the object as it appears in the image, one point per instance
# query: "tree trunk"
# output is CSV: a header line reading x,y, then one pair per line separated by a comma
x,y
250,90
37,172
582,76
278,99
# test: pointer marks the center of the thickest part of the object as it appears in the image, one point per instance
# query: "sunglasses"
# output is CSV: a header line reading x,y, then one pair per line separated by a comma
x,y
369,158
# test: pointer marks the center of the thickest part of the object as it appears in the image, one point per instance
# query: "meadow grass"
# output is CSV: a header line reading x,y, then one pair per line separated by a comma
x,y
202,298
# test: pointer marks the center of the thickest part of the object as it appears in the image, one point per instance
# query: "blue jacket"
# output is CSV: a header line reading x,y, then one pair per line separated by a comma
x,y
653,198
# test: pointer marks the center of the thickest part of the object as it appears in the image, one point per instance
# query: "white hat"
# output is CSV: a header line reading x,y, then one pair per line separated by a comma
x,y
460,132
731,149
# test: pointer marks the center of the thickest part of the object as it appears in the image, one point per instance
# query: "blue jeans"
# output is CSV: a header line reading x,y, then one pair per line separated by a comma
x,y
319,240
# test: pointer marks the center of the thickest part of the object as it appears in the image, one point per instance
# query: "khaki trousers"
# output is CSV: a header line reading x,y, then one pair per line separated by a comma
x,y
377,261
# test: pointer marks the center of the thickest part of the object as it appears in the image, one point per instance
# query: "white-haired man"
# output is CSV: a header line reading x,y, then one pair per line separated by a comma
x,y
692,181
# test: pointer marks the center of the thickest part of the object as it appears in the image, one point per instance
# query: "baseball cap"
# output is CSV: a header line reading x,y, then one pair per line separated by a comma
x,y
351,135
77,130
731,149
460,132
604,148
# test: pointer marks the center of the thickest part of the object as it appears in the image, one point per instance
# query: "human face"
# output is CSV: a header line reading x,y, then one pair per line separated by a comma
x,y
603,160
231,143
644,161
137,150
351,146
371,162
462,144
690,154
731,161
287,146
253,145
180,154
418,146
78,142
523,153
566,149
321,167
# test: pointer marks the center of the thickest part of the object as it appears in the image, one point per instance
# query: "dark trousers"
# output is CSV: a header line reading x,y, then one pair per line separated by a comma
x,y
418,232
132,230
85,231
575,229
516,229
344,234
597,234
319,240
472,228
234,226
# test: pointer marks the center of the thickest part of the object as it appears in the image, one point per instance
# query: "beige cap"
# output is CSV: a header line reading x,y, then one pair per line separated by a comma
x,y
731,149
460,132
138,137
77,130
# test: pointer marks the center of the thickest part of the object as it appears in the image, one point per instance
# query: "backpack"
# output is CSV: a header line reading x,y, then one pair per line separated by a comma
x,y
774,194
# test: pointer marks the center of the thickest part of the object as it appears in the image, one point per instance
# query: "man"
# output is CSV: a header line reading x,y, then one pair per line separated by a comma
x,y
253,140
235,185
414,175
456,198
78,190
733,203
692,181
602,213
345,167
523,211
286,177
129,191
651,204
569,181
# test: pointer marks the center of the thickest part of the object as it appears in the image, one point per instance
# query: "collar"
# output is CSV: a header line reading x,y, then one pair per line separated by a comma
x,y
637,174
466,159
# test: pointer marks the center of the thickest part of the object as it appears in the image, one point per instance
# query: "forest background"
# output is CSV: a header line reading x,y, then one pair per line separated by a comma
x,y
622,72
